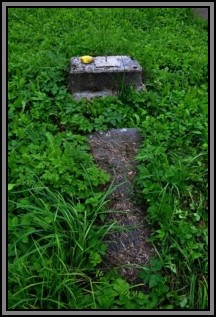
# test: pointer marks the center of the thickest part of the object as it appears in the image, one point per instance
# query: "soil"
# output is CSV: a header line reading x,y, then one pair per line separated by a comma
x,y
114,151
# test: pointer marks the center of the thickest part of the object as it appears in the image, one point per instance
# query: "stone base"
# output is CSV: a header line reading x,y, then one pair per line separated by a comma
x,y
106,75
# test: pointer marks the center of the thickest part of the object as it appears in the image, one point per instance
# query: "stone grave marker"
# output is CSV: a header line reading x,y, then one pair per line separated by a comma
x,y
104,76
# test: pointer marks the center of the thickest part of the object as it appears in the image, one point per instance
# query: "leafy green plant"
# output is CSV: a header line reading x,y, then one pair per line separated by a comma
x,y
56,205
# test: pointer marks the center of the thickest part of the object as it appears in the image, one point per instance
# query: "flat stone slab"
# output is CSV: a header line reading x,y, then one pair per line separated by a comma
x,y
115,151
109,62
105,75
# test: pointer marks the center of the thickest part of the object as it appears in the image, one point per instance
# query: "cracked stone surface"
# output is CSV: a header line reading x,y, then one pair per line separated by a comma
x,y
114,151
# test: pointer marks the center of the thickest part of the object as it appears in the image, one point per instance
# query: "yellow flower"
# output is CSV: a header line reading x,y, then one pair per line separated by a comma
x,y
86,59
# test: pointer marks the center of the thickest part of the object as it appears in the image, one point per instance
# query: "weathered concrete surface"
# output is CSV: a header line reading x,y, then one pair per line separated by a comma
x,y
114,151
202,12
104,76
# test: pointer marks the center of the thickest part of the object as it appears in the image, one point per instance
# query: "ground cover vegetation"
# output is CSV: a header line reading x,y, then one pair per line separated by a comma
x,y
56,207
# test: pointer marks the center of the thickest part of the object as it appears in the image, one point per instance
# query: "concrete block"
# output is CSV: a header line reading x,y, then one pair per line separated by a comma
x,y
104,76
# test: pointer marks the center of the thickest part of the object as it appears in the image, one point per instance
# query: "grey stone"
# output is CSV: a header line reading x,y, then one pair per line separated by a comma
x,y
202,12
114,151
106,75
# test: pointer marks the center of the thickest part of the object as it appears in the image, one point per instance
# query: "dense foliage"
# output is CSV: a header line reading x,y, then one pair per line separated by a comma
x,y
56,205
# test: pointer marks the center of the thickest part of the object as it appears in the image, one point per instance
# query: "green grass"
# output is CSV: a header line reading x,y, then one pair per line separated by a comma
x,y
57,206
54,243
